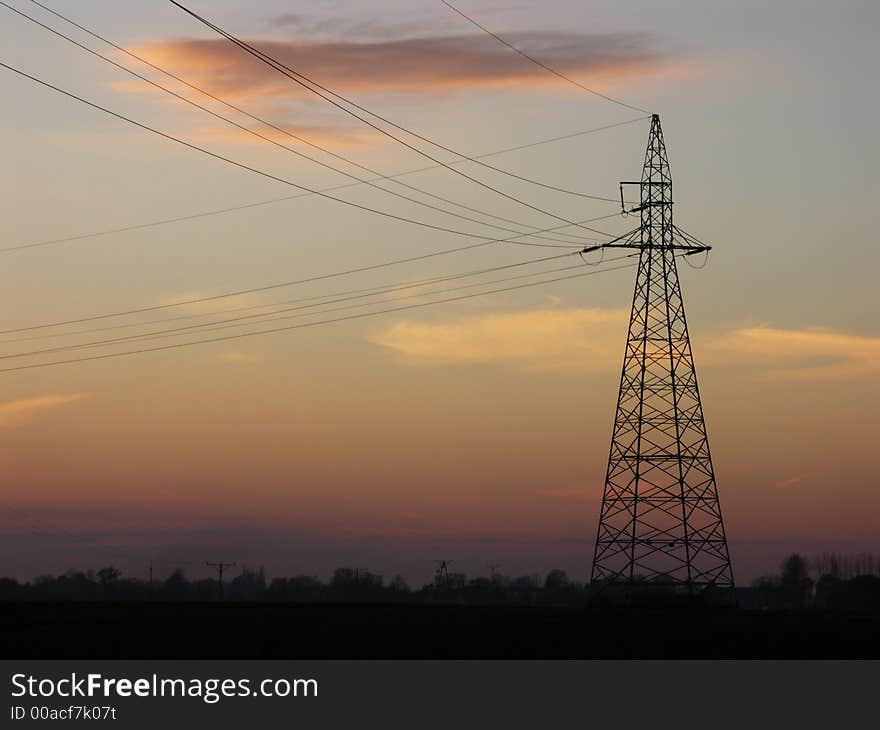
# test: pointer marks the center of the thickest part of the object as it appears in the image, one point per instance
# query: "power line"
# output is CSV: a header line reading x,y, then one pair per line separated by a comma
x,y
272,201
317,89
265,138
539,63
242,335
268,287
268,123
268,318
276,178
341,297
263,318
373,290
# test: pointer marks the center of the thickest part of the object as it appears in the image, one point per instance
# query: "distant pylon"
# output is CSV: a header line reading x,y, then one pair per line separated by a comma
x,y
660,522
441,576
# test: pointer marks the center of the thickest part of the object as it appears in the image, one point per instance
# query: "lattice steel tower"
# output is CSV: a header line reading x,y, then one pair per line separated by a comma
x,y
660,522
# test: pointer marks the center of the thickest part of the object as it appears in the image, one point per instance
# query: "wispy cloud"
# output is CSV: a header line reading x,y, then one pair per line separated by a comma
x,y
323,135
590,339
346,25
424,64
584,339
17,412
288,123
802,353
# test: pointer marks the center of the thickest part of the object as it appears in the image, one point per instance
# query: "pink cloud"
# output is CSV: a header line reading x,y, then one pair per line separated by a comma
x,y
421,64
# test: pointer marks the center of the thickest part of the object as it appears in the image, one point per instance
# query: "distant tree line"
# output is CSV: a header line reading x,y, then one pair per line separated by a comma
x,y
831,582
843,566
346,584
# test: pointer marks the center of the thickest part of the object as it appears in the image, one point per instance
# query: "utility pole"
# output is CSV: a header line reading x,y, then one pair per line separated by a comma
x,y
220,565
493,568
660,522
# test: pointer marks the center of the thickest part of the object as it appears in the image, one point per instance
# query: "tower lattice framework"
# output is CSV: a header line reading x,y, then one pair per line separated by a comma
x,y
660,521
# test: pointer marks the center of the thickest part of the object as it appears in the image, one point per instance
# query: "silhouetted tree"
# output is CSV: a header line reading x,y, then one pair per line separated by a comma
x,y
794,570
249,586
796,582
358,585
825,587
344,577
398,585
10,589
306,587
556,580
524,589
176,586
108,575
299,588
206,589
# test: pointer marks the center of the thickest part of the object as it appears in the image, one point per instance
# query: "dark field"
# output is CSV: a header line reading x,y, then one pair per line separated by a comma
x,y
146,630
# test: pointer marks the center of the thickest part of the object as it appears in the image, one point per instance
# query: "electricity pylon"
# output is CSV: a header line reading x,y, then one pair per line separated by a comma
x,y
660,522
441,576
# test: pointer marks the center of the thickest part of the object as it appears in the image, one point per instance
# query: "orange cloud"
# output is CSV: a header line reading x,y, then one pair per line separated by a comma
x,y
16,412
421,64
323,136
583,339
804,353
591,339
214,130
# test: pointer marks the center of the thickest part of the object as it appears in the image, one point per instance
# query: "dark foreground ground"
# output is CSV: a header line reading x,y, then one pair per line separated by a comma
x,y
132,630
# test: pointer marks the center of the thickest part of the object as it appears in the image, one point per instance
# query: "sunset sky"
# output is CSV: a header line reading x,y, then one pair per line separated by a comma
x,y
474,431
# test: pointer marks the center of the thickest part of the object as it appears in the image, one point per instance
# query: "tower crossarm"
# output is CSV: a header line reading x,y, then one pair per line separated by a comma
x,y
689,249
678,240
